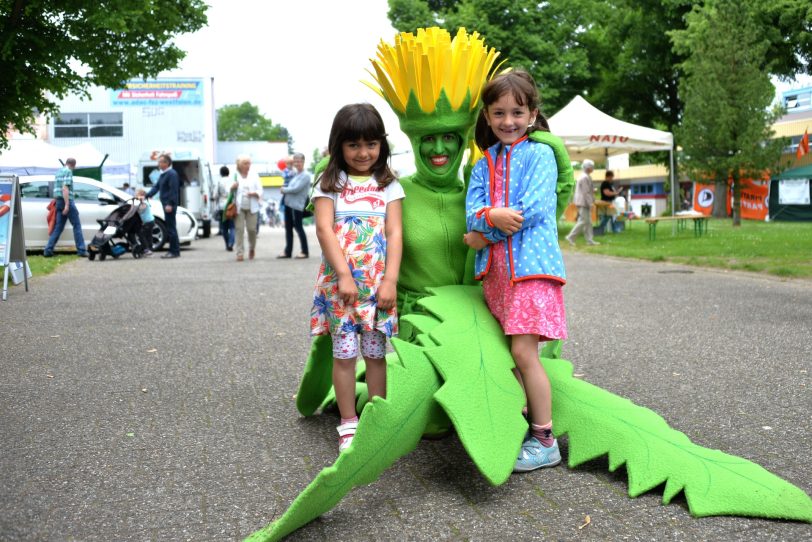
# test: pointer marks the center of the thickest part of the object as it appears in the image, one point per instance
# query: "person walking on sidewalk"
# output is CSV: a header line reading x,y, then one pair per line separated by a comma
x,y
295,200
247,190
584,198
226,224
66,210
168,190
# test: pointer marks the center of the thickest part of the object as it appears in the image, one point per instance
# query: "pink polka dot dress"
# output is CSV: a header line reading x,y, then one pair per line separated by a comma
x,y
528,307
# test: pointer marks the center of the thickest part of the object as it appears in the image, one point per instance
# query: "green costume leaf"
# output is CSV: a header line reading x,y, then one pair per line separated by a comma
x,y
388,429
481,394
714,482
317,379
475,386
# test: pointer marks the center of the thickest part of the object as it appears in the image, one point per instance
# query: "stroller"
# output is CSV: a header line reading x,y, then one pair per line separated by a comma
x,y
118,233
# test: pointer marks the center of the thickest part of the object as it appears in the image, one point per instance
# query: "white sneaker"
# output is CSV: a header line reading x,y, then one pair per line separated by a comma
x,y
593,243
570,241
346,432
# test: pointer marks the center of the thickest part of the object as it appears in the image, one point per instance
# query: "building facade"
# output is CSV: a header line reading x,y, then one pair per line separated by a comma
x,y
132,123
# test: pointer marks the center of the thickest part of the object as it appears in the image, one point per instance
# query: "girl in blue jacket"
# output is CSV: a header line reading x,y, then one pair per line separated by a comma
x,y
511,217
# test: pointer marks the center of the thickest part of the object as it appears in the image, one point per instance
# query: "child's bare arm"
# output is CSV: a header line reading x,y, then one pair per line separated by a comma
x,y
387,291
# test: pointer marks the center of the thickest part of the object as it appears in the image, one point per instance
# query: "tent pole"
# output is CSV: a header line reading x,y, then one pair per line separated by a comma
x,y
673,185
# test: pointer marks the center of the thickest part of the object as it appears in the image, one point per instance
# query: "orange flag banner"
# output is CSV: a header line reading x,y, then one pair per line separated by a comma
x,y
803,146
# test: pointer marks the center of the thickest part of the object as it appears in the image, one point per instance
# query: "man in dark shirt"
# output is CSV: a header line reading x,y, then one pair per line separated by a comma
x,y
608,193
168,190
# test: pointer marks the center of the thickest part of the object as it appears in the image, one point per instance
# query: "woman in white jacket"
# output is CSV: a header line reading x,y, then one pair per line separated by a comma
x,y
248,193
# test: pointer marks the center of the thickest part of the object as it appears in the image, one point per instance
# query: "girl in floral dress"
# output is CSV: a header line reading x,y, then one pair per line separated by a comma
x,y
511,216
357,204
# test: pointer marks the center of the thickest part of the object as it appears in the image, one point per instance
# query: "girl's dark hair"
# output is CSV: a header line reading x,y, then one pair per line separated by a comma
x,y
523,87
352,123
224,171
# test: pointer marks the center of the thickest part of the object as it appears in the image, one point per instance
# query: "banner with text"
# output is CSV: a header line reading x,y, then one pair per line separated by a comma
x,y
185,92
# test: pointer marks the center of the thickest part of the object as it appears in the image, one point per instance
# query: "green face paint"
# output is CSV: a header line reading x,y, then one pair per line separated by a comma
x,y
439,151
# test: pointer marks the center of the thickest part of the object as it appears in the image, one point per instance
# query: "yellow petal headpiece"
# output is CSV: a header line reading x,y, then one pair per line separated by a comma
x,y
431,76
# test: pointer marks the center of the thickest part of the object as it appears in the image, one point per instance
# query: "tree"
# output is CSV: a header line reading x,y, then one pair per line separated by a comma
x,y
635,69
49,49
726,128
244,122
617,53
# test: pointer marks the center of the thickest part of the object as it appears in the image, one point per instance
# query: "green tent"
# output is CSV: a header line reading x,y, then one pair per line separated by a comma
x,y
94,172
803,172
795,212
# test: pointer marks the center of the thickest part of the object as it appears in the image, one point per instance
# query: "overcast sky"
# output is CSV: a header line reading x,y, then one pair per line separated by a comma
x,y
299,61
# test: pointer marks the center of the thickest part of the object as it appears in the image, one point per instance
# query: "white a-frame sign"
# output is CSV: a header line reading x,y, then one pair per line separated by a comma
x,y
12,236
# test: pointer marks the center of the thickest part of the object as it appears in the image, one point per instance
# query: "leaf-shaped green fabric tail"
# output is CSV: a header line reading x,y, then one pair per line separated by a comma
x,y
714,482
317,379
460,359
480,393
388,429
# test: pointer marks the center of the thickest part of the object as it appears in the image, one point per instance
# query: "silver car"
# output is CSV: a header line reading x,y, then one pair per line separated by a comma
x,y
94,200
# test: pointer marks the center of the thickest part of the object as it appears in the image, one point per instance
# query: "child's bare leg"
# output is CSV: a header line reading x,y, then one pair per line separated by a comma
x,y
376,377
524,349
518,376
344,384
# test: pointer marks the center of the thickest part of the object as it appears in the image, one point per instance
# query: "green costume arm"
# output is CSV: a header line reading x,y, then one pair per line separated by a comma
x,y
566,180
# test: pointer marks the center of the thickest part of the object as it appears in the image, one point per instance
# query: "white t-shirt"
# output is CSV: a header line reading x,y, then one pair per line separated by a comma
x,y
361,196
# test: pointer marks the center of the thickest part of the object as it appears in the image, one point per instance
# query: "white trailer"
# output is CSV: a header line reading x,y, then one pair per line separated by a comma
x,y
196,185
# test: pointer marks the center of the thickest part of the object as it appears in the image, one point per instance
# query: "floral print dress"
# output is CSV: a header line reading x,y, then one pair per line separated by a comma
x,y
360,227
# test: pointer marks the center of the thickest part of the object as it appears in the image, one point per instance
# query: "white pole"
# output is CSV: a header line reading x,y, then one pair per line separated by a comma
x,y
673,190
673,184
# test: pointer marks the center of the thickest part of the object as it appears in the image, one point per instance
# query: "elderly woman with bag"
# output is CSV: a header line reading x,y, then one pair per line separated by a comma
x,y
247,192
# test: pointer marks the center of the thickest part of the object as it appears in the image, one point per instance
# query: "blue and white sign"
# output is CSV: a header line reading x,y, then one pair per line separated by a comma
x,y
177,92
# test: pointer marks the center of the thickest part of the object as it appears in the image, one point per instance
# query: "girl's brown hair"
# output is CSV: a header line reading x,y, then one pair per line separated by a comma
x,y
523,87
352,123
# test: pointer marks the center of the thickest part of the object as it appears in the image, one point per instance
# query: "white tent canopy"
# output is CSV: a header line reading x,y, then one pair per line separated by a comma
x,y
37,157
588,132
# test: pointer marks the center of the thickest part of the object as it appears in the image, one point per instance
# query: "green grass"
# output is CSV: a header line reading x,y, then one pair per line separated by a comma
x,y
782,249
41,265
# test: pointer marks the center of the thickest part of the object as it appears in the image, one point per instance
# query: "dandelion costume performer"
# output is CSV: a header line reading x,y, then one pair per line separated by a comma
x,y
452,364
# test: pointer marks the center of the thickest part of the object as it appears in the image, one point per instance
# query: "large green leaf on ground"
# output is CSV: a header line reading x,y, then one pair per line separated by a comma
x,y
715,483
387,430
317,379
480,392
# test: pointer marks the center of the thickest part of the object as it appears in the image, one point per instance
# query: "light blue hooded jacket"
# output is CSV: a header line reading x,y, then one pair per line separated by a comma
x,y
530,175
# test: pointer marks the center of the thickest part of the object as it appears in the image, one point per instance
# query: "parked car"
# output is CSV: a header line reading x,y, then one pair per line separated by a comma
x,y
95,200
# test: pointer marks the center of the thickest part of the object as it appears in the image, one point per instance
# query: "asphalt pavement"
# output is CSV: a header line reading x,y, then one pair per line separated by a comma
x,y
154,400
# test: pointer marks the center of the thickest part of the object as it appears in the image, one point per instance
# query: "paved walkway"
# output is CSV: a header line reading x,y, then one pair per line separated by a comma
x,y
153,400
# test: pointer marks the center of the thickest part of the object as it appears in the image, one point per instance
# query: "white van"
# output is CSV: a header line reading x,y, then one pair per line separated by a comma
x,y
196,185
